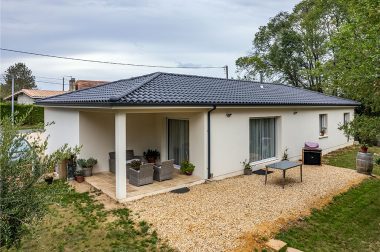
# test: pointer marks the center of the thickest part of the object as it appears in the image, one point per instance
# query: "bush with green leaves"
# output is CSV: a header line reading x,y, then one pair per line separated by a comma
x,y
365,128
31,114
87,163
187,167
22,167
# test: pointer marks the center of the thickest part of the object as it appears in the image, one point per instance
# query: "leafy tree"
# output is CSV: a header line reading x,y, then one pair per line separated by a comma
x,y
23,79
365,128
21,168
356,67
292,47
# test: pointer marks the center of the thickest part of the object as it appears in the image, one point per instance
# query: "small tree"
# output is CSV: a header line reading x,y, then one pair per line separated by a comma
x,y
21,168
23,79
365,128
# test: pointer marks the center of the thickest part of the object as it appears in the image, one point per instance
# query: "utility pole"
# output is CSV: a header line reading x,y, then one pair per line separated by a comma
x,y
63,83
226,69
13,98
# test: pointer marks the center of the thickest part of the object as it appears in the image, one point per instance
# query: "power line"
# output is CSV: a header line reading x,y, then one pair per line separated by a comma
x,y
110,62
39,81
50,78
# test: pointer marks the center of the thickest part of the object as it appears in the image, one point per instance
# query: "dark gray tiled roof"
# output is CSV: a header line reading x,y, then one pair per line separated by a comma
x,y
177,89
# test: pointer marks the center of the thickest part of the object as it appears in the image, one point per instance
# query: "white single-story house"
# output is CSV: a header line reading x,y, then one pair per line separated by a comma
x,y
29,96
214,123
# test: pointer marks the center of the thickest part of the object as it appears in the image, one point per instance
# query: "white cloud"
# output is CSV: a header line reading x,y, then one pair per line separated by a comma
x,y
143,32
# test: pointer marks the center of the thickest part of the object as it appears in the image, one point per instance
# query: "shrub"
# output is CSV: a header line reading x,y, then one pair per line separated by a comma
x,y
31,114
89,163
187,167
365,128
21,201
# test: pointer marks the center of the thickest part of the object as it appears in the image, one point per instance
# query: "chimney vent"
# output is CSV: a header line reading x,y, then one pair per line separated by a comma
x,y
72,84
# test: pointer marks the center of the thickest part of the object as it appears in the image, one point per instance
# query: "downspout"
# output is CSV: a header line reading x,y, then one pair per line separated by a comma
x,y
209,142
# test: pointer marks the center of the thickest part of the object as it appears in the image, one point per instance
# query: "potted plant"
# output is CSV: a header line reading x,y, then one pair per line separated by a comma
x,y
87,165
48,177
79,176
365,129
151,155
285,155
187,167
135,164
246,167
323,131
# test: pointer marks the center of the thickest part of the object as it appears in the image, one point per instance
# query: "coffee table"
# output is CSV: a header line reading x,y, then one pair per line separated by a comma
x,y
283,165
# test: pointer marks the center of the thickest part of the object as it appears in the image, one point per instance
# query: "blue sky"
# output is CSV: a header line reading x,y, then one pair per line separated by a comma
x,y
173,33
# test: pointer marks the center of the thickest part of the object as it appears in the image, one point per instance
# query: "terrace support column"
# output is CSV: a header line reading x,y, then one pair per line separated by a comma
x,y
120,155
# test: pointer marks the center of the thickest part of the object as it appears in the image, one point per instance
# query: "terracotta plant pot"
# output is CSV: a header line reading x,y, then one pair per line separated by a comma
x,y
364,149
79,179
151,160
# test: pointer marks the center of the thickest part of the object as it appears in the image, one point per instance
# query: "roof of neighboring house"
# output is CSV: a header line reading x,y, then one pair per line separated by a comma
x,y
81,84
178,89
35,93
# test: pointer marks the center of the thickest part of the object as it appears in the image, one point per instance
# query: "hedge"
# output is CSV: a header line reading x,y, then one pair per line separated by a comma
x,y
36,115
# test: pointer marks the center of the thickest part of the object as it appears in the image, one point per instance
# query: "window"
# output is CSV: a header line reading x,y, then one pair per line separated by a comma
x,y
262,144
323,125
346,118
178,140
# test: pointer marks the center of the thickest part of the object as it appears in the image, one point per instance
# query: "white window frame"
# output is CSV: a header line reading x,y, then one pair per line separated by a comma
x,y
270,159
323,125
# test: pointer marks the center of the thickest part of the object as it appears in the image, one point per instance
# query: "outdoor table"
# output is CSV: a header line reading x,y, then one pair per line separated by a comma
x,y
283,165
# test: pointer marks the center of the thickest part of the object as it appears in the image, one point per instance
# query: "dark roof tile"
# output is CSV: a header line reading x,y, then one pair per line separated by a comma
x,y
167,88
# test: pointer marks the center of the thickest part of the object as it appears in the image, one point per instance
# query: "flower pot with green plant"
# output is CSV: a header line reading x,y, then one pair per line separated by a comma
x,y
151,155
87,165
365,129
187,167
79,176
247,167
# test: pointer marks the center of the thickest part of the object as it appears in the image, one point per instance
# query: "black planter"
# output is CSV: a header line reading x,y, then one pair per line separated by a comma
x,y
49,181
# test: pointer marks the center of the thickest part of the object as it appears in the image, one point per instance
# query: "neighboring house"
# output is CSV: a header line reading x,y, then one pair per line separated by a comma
x,y
29,96
215,123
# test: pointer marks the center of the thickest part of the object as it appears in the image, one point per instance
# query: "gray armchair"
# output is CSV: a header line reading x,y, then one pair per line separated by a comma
x,y
111,161
165,171
141,177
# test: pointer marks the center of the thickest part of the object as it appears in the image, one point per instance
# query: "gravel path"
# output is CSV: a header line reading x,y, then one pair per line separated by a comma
x,y
212,216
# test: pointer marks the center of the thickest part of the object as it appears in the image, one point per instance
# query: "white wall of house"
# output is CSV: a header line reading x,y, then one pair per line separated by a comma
x,y
97,137
143,131
24,99
294,126
65,128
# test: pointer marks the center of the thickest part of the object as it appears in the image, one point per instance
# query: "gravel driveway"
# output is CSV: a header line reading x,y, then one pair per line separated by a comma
x,y
212,216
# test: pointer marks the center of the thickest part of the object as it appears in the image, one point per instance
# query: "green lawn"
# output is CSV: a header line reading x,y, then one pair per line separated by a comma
x,y
347,158
76,222
350,223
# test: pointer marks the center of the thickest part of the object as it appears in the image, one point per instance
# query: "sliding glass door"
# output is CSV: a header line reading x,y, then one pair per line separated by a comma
x,y
178,140
262,139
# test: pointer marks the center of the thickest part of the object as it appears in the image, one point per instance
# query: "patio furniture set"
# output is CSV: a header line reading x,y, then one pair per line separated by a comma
x,y
146,172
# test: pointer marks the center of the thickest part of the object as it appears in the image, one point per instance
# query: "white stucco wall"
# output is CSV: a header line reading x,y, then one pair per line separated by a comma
x,y
230,136
24,99
97,137
65,128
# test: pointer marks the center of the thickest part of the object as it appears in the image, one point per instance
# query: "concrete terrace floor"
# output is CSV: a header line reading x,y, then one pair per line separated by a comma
x,y
105,182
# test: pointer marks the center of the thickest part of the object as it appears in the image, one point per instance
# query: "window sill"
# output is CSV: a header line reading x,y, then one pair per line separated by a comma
x,y
325,136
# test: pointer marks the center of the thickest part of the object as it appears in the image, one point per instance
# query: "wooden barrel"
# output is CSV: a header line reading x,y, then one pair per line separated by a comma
x,y
364,162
